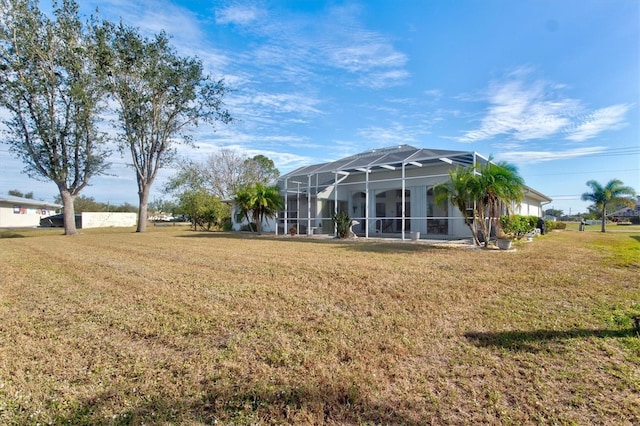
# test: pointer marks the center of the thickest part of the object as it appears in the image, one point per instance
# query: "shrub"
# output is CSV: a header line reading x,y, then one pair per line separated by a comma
x,y
516,226
342,221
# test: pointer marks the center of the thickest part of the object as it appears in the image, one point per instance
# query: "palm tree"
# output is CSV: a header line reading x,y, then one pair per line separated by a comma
x,y
260,201
500,185
242,200
601,196
461,189
480,193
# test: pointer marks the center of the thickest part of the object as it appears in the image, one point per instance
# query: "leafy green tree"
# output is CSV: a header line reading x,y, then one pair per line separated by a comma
x,y
258,202
160,97
554,212
261,169
160,206
203,209
190,175
83,203
50,88
122,208
602,196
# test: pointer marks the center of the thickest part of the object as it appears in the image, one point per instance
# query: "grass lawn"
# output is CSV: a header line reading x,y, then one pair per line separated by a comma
x,y
181,327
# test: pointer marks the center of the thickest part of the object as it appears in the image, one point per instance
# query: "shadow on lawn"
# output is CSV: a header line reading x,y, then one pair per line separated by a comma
x,y
361,244
330,402
636,237
539,340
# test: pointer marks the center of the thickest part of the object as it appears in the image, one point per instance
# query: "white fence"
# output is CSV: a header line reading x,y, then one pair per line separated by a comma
x,y
108,220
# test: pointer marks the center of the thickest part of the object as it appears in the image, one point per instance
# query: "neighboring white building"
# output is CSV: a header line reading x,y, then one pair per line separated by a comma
x,y
18,212
389,192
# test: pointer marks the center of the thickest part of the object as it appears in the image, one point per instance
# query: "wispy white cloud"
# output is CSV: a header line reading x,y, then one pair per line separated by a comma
x,y
286,103
362,51
238,15
433,93
249,145
152,16
591,125
301,49
528,157
380,80
524,110
395,134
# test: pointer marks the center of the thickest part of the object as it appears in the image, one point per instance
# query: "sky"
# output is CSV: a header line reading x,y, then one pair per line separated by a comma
x,y
550,86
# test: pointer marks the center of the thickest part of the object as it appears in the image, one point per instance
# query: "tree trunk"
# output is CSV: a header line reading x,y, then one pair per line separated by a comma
x,y
69,216
256,218
474,231
143,197
604,219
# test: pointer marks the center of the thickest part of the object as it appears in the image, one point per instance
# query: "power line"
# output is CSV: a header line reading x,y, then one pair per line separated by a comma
x,y
584,173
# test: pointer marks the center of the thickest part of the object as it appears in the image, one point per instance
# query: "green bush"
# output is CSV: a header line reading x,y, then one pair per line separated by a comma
x,y
532,221
516,226
342,221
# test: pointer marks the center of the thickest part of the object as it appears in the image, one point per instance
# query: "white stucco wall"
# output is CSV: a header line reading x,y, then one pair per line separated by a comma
x,y
22,216
268,224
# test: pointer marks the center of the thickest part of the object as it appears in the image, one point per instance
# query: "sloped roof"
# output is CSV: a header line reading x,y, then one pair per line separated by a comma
x,y
28,202
392,157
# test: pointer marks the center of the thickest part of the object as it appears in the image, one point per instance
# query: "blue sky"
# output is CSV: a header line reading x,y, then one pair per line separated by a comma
x,y
551,86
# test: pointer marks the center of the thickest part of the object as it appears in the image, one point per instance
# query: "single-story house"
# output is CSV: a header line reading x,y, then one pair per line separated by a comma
x,y
387,192
19,212
625,213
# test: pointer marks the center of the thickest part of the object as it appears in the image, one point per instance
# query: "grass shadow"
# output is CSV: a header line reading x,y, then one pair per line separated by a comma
x,y
389,247
636,237
9,234
540,340
331,402
360,244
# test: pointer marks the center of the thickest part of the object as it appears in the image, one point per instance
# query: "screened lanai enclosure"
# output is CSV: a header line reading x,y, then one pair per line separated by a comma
x,y
386,192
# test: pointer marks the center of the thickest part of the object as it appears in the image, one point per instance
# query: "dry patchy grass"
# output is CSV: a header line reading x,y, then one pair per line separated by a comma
x,y
181,327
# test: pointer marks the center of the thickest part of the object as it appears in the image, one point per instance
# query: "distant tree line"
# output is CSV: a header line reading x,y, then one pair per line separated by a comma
x,y
18,193
82,203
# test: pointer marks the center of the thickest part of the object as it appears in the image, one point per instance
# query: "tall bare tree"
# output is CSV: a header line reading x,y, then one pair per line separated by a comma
x,y
48,85
160,97
222,174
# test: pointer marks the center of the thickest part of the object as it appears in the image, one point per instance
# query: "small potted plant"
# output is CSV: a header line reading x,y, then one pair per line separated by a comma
x,y
293,231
